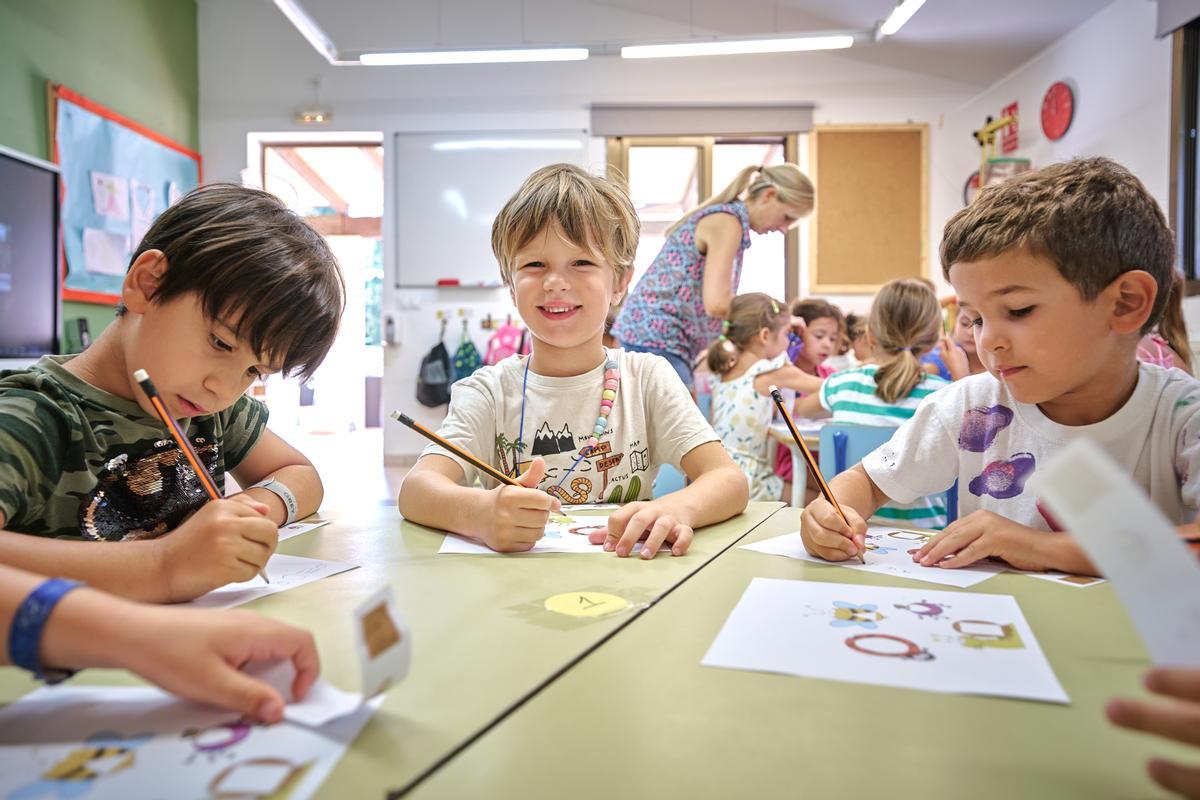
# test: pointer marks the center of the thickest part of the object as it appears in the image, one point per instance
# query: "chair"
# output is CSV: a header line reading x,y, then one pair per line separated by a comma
x,y
843,446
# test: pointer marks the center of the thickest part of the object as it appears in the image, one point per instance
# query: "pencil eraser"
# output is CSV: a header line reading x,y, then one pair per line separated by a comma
x,y
773,388
141,375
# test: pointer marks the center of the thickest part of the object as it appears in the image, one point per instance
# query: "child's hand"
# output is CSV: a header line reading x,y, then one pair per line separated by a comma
x,y
979,535
226,541
518,514
198,654
653,520
1179,721
827,536
954,357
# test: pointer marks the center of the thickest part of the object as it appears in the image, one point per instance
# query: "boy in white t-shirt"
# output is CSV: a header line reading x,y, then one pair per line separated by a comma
x,y
586,424
1062,271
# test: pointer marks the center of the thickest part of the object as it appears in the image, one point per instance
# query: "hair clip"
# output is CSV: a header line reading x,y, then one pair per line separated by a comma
x,y
724,327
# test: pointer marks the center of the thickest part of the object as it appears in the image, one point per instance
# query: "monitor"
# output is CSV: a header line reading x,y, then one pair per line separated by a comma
x,y
30,304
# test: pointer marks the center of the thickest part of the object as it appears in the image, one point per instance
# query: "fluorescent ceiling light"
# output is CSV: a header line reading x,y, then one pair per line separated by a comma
x,y
308,28
509,144
901,14
724,48
415,57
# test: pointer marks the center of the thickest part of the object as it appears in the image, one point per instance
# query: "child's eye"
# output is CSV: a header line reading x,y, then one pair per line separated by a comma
x,y
583,262
975,323
220,344
1021,312
254,372
532,264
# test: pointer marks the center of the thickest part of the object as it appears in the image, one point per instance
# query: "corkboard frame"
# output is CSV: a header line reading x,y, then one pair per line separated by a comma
x,y
837,277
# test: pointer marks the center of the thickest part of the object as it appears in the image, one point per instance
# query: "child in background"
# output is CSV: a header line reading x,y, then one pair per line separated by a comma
x,y
904,323
1063,270
227,286
856,331
1167,345
842,357
955,358
54,628
749,357
565,244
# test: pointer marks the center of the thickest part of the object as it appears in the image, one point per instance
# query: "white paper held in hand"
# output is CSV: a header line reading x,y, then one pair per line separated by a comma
x,y
384,642
1133,544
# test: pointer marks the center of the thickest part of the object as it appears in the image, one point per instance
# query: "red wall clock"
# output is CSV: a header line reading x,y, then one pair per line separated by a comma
x,y
1058,108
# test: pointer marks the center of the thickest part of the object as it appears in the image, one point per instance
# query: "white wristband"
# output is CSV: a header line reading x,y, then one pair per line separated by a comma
x,y
283,493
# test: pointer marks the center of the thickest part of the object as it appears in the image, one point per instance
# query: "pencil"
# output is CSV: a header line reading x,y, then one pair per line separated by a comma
x,y
193,458
453,448
808,459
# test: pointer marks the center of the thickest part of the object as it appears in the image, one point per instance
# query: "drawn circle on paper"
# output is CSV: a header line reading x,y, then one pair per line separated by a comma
x,y
585,604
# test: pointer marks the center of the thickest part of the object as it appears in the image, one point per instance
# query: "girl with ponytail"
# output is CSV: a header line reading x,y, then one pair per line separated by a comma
x,y
905,323
749,356
678,305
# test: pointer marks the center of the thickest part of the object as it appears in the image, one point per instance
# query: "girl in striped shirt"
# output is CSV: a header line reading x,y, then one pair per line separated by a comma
x,y
905,323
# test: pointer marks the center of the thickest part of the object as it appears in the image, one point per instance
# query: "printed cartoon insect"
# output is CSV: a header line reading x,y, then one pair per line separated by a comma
x,y
864,615
924,609
105,753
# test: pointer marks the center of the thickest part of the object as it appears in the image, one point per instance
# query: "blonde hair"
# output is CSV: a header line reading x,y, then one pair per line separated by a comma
x,y
748,314
1171,325
592,212
905,320
790,184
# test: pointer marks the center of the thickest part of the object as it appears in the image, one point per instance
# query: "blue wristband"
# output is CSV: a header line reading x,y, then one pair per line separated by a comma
x,y
25,634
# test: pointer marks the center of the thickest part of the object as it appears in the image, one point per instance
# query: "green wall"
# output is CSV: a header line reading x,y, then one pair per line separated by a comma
x,y
138,57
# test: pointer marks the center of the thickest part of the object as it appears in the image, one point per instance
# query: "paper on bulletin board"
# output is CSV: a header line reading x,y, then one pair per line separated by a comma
x,y
110,196
143,209
105,253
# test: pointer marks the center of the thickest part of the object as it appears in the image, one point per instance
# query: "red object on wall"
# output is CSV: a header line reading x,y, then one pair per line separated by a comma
x,y
1058,109
1008,136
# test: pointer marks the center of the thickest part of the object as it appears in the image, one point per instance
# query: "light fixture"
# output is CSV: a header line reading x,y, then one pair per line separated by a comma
x,y
724,47
309,29
407,58
901,14
315,114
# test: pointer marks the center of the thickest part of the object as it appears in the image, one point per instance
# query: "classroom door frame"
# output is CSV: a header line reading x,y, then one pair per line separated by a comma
x,y
617,158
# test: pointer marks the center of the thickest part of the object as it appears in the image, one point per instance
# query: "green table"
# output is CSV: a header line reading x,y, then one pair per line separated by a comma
x,y
640,717
482,639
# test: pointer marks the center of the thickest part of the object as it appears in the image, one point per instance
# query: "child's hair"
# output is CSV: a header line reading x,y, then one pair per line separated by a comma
x,y
748,314
254,261
1091,217
856,325
592,211
814,308
905,320
1171,325
791,185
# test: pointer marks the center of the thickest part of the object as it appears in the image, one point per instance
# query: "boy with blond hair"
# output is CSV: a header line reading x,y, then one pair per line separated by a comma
x,y
598,423
1062,271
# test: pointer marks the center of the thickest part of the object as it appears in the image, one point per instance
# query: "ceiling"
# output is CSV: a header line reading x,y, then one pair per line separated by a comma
x,y
966,40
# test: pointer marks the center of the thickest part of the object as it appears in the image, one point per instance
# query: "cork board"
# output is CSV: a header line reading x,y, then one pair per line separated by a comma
x,y
871,220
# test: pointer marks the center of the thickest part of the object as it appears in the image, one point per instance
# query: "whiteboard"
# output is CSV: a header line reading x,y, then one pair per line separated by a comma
x,y
449,188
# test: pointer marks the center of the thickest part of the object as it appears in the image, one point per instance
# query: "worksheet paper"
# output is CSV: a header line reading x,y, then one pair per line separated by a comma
x,y
1134,545
126,742
887,554
297,528
954,642
564,534
285,572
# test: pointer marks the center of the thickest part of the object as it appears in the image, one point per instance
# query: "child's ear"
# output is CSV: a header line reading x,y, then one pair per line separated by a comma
x,y
142,280
620,287
1132,297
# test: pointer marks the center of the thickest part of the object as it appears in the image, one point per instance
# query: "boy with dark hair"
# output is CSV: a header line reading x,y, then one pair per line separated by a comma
x,y
1062,271
228,285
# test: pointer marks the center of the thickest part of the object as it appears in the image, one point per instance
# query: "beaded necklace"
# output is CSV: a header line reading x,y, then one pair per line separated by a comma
x,y
612,380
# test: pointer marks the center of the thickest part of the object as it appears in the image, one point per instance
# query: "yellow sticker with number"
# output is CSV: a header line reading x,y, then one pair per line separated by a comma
x,y
585,604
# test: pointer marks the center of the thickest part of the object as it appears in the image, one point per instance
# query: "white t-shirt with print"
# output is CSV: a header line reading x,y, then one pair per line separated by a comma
x,y
973,431
654,421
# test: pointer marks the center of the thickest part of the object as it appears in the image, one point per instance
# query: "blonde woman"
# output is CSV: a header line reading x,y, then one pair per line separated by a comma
x,y
679,304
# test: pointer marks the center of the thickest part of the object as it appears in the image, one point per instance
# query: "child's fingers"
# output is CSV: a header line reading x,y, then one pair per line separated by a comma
x,y
943,546
1180,682
1178,721
232,689
1175,778
634,530
529,518
619,522
833,546
658,534
970,554
681,539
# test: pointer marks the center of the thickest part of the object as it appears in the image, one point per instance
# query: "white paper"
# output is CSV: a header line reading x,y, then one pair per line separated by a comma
x,y
110,196
285,572
1134,545
139,742
297,528
104,252
887,554
173,193
564,534
323,703
383,641
143,209
954,642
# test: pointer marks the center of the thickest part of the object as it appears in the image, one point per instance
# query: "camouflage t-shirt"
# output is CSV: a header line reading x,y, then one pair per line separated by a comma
x,y
80,462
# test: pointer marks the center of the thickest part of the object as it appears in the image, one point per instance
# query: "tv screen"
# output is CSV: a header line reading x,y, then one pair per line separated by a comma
x,y
29,275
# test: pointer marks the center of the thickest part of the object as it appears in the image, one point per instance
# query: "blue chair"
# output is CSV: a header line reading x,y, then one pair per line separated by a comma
x,y
668,480
843,446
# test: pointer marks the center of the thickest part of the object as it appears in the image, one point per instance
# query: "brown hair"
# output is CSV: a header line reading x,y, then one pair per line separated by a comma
x,y
905,321
592,211
748,314
1171,325
791,185
1091,217
248,256
856,325
814,308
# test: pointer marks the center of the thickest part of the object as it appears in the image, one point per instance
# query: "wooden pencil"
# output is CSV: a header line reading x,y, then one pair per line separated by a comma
x,y
193,458
453,448
826,492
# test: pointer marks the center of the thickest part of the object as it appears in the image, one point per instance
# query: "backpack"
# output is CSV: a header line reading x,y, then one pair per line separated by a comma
x,y
466,359
433,380
505,342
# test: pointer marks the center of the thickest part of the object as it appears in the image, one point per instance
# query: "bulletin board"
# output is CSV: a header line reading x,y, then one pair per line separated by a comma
x,y
871,220
117,176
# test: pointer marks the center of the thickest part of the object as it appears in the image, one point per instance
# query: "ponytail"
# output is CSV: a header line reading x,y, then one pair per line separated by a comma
x,y
905,321
722,355
748,314
792,186
1171,325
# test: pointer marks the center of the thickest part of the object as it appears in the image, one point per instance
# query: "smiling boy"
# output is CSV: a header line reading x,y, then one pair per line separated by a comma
x,y
228,285
1061,271
589,423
